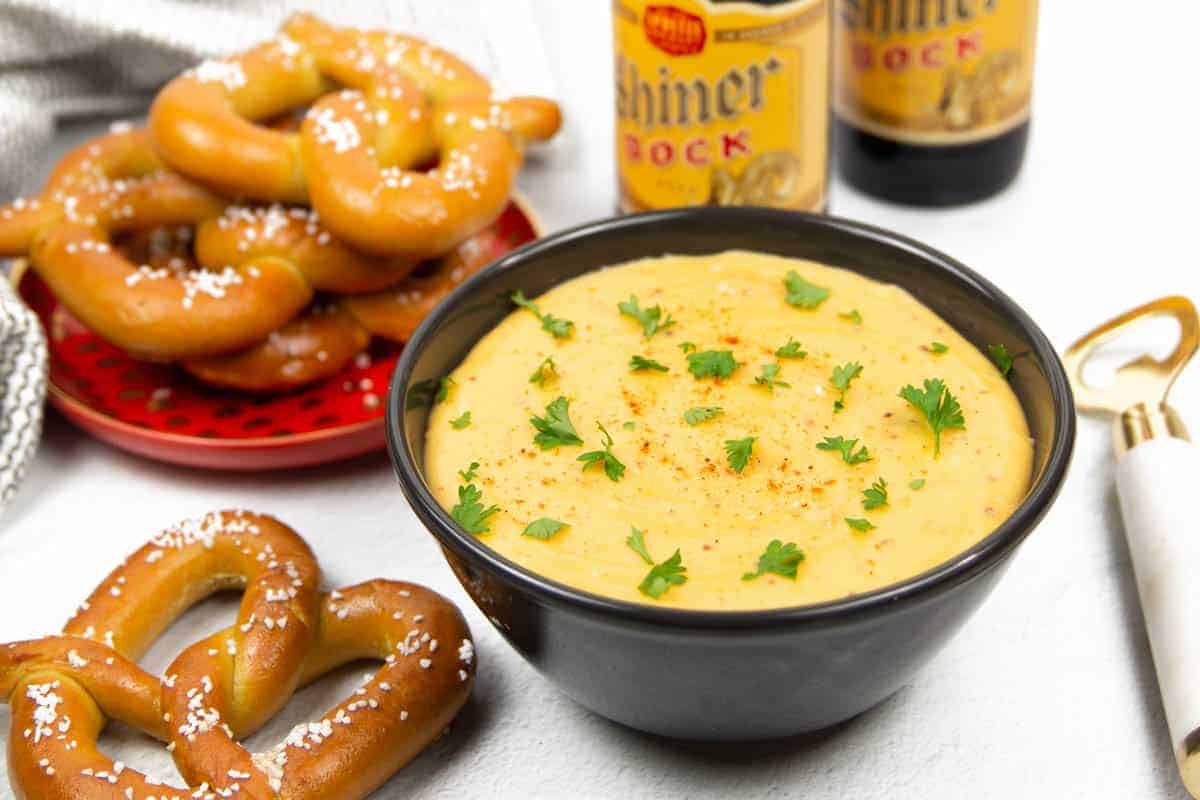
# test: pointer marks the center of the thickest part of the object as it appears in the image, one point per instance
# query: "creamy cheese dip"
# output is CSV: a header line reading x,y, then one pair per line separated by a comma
x,y
678,485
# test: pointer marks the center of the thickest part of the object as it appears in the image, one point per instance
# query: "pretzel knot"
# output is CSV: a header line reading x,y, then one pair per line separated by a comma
x,y
167,271
63,689
356,160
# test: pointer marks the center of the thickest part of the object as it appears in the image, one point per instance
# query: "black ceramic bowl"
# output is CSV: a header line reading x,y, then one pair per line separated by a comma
x,y
731,674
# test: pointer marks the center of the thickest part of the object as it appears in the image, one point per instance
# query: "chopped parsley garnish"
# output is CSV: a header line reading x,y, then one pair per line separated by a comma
x,y
917,484
469,474
545,373
630,425
555,429
841,378
640,364
876,496
860,525
694,416
938,406
712,364
836,444
558,328
738,452
662,577
687,347
1001,357
779,558
543,528
469,512
767,379
651,319
852,315
428,392
613,468
801,293
791,350
637,543
937,348
462,421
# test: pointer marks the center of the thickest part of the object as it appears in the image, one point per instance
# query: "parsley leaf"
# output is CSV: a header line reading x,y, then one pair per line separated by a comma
x,y
694,416
841,378
860,525
917,484
767,379
791,350
937,348
470,473
712,364
651,319
801,293
852,315
630,425
558,328
1002,358
836,444
613,468
938,406
640,364
780,558
555,429
637,543
461,422
663,576
428,393
545,372
469,512
738,452
876,496
687,347
543,528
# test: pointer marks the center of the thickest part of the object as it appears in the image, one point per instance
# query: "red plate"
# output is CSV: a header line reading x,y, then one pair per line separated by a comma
x,y
159,412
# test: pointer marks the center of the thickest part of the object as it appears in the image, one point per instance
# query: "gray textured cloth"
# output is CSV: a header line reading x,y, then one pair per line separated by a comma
x,y
22,389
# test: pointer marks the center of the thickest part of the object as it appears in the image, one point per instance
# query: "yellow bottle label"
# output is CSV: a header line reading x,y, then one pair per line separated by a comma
x,y
934,72
722,102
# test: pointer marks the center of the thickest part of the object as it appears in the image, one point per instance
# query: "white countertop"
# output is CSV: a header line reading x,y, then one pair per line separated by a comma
x,y
1047,692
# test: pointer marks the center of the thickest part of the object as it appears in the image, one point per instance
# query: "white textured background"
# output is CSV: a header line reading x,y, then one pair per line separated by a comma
x,y
1047,693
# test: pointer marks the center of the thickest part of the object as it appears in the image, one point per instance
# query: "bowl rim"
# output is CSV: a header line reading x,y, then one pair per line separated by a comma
x,y
980,557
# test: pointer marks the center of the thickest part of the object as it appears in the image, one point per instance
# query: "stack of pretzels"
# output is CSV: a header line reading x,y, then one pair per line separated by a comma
x,y
63,689
282,207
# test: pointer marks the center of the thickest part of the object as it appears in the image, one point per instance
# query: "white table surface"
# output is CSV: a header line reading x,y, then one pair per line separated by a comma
x,y
1048,692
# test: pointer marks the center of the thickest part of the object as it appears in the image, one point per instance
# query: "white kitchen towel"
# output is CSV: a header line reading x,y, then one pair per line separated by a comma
x,y
69,58
22,389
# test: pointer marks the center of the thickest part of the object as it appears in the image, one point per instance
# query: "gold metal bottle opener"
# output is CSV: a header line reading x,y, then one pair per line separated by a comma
x,y
1155,474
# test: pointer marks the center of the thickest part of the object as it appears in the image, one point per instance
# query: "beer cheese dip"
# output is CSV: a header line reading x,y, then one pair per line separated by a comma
x,y
745,462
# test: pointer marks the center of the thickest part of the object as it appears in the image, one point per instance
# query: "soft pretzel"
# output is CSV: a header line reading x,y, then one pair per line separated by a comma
x,y
63,689
320,343
112,186
358,155
93,236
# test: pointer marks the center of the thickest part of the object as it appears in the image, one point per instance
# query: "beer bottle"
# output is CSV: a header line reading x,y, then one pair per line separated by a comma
x,y
721,102
932,97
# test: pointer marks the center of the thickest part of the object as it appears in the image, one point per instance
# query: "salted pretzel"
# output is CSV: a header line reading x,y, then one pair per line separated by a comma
x,y
64,689
320,343
115,185
358,157
253,272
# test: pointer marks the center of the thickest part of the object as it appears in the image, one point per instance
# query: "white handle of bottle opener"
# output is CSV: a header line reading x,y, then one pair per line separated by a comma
x,y
1155,479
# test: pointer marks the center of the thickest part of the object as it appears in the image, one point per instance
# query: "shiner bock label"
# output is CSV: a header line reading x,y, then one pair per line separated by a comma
x,y
934,72
722,102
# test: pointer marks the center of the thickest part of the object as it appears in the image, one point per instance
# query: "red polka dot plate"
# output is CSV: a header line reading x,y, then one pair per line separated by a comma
x,y
159,412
